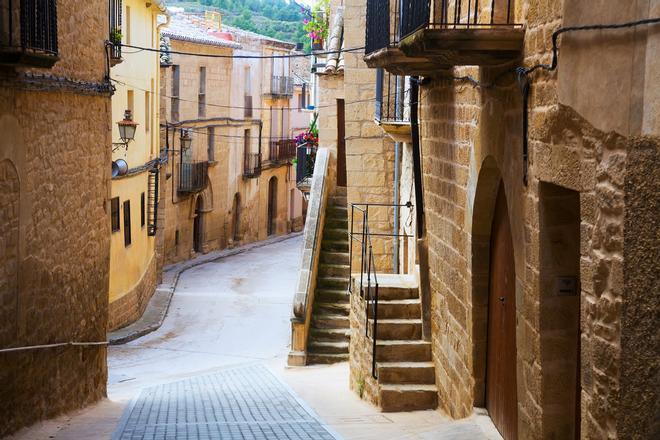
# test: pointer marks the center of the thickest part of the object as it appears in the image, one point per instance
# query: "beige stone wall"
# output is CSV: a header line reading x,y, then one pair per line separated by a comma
x,y
54,242
471,138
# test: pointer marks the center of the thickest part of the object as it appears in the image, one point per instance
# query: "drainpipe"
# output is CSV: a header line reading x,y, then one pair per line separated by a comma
x,y
397,177
422,245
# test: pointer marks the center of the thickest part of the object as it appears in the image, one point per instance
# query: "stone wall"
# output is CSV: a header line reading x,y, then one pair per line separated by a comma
x,y
54,247
130,306
471,139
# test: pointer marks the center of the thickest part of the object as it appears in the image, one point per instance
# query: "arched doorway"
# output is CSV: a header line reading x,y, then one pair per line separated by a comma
x,y
272,206
198,226
501,392
236,218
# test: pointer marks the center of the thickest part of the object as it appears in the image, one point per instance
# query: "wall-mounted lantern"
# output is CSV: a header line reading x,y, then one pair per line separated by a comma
x,y
186,140
127,129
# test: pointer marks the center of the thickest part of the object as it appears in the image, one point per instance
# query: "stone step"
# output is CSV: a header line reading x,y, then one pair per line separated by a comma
x,y
341,190
331,295
334,270
318,358
336,223
403,351
330,334
399,309
328,347
406,373
325,308
333,283
334,245
338,200
335,257
336,212
412,397
397,329
331,321
391,293
333,234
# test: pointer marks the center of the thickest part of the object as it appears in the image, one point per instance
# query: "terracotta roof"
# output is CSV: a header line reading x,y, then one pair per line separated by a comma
x,y
183,28
335,61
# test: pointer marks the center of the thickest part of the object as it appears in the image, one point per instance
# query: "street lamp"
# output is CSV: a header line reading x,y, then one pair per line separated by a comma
x,y
127,129
186,140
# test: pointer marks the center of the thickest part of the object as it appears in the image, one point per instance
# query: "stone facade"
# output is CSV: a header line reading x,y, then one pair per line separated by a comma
x,y
593,146
54,242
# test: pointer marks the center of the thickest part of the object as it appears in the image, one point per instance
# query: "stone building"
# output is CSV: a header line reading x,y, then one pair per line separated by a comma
x,y
54,208
235,183
134,196
537,198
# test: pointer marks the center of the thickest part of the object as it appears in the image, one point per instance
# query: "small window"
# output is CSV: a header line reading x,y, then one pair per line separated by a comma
x,y
142,210
114,213
127,223
201,97
210,135
176,237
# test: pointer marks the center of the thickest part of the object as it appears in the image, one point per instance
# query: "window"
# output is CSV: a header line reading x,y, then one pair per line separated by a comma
x,y
175,92
128,25
201,97
142,210
127,223
147,110
210,135
114,213
115,26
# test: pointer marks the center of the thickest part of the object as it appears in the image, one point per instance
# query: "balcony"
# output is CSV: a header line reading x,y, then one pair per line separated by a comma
x,y
280,86
193,176
281,150
114,24
251,165
418,37
28,32
305,168
392,111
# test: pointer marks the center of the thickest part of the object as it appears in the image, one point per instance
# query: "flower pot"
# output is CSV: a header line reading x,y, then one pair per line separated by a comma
x,y
317,45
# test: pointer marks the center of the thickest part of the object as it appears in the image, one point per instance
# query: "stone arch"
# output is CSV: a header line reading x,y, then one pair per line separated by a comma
x,y
9,251
484,207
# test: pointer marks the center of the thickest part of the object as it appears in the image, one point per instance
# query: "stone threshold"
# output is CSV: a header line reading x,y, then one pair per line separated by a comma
x,y
156,310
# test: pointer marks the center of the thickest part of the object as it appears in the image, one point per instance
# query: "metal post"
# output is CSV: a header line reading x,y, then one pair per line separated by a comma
x,y
350,250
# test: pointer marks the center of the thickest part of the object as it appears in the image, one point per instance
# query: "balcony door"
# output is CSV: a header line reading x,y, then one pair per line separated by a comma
x,y
501,395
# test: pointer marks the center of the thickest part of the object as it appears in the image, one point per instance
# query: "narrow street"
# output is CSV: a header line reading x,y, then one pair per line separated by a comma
x,y
216,369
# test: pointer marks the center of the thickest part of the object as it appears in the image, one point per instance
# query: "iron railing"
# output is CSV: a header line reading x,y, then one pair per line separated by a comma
x,y
193,176
389,21
369,287
281,150
281,86
152,201
304,163
251,164
114,17
392,98
28,27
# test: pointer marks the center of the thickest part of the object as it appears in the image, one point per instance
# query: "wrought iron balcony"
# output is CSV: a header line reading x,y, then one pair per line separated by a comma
x,y
251,165
392,110
193,176
281,150
304,168
28,32
419,37
114,25
280,86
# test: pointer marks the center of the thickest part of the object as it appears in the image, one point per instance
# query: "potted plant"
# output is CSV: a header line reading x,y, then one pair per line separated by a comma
x,y
115,50
315,23
115,36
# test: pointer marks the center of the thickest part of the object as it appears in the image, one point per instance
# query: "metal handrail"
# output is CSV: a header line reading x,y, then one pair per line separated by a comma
x,y
371,296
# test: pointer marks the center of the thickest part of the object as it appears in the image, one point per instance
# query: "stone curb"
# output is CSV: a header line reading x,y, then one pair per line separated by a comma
x,y
159,304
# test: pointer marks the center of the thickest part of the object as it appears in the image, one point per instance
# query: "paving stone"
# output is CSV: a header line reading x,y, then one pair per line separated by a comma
x,y
244,403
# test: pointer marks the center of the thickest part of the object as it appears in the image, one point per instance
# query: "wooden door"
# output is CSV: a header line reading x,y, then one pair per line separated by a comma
x,y
341,144
272,205
501,398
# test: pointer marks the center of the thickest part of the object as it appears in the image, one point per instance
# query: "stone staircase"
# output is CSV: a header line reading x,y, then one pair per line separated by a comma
x,y
406,374
330,330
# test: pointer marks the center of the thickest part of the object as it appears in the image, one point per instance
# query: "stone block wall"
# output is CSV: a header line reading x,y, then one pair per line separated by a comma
x,y
471,139
130,306
54,239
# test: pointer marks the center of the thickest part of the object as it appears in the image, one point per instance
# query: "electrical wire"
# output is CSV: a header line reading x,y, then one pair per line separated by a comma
x,y
243,57
60,344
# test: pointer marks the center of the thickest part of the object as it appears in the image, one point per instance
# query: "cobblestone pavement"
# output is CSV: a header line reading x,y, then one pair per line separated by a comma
x,y
245,402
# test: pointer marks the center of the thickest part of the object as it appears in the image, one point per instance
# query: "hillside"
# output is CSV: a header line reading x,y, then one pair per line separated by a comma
x,y
275,18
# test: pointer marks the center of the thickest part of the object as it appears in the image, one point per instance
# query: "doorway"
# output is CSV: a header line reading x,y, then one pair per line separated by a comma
x,y
341,143
197,226
272,206
501,394
236,218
